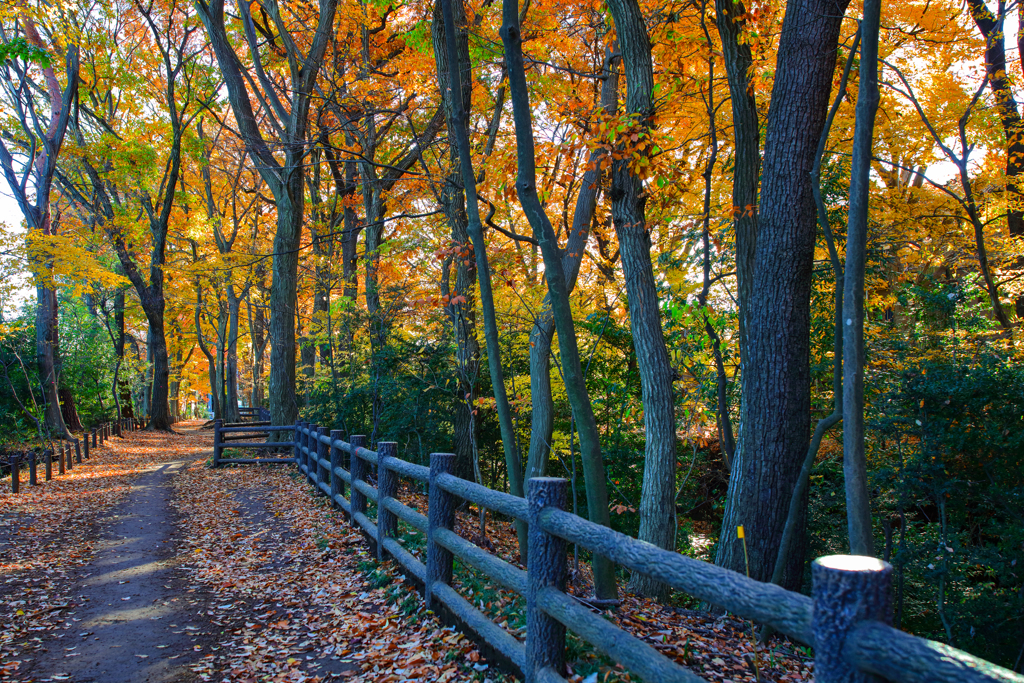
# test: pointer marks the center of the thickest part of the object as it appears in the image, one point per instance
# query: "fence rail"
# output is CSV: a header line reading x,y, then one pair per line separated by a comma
x,y
845,620
67,453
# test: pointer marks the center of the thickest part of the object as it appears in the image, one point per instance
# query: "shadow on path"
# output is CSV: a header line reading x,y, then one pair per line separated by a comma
x,y
135,624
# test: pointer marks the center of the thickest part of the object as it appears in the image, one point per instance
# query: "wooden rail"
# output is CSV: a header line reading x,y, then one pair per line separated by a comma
x,y
67,453
241,437
846,620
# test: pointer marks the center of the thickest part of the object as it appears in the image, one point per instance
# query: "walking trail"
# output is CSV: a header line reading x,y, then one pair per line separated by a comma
x,y
143,565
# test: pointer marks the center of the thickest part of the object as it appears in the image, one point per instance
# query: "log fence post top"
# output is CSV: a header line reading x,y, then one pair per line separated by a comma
x,y
847,590
441,463
852,563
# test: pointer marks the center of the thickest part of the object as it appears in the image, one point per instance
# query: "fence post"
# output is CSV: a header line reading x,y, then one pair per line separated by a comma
x,y
66,447
440,515
15,473
48,464
303,447
297,444
387,487
60,458
32,480
846,590
311,454
94,437
78,452
85,445
337,483
545,568
216,443
117,428
357,467
323,452
100,431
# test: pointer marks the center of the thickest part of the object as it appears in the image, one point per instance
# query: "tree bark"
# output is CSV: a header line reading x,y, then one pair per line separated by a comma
x,y
991,27
858,505
457,89
542,335
658,491
746,133
572,371
776,384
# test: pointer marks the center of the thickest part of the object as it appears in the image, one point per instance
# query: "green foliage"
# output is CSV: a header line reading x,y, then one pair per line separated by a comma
x,y
19,48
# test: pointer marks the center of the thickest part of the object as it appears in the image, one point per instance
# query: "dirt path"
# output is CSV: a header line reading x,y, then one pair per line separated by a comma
x,y
133,624
119,609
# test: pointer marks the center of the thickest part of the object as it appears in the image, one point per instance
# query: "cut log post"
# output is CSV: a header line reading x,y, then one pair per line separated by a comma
x,y
48,464
387,487
65,447
546,569
217,443
304,440
60,458
358,469
15,473
311,453
85,445
337,483
94,437
78,452
440,515
32,478
323,452
847,589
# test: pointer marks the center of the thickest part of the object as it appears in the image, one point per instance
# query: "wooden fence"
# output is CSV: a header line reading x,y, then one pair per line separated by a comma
x,y
846,619
67,453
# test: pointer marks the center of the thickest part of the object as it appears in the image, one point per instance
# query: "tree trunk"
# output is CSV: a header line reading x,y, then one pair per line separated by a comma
x,y
231,413
572,371
858,506
746,133
453,203
658,492
991,27
284,295
258,344
159,415
542,419
776,383
46,339
456,67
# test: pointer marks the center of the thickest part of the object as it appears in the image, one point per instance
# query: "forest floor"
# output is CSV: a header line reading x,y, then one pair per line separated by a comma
x,y
143,564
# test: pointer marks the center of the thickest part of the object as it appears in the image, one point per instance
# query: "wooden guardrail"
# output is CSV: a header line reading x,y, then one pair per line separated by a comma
x,y
67,453
846,619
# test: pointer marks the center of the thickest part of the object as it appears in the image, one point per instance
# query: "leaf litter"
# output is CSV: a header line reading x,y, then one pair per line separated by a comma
x,y
294,593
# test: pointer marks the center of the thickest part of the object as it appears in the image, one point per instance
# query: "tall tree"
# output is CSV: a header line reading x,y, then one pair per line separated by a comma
x,y
452,198
455,86
658,493
108,193
572,370
542,335
285,103
775,406
42,136
858,508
